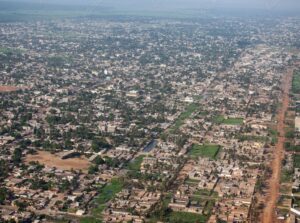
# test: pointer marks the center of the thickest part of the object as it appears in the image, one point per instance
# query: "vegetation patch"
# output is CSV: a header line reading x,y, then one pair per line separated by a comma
x,y
208,207
186,114
185,217
162,210
205,192
297,161
286,176
290,147
290,134
220,119
296,82
200,200
210,151
296,148
252,138
192,181
9,51
296,202
58,61
107,193
274,136
135,165
233,121
90,220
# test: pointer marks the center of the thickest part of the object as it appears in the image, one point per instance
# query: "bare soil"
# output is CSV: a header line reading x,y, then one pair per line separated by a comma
x,y
8,88
52,160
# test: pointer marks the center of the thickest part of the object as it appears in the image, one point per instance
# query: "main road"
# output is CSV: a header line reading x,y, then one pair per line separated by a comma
x,y
269,215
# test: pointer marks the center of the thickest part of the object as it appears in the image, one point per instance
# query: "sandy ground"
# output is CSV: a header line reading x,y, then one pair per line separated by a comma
x,y
52,160
274,183
8,88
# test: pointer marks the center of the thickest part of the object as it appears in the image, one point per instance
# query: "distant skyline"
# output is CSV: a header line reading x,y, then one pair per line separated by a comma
x,y
276,5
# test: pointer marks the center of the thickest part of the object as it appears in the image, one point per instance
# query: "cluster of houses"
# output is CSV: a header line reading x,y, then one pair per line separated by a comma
x,y
147,101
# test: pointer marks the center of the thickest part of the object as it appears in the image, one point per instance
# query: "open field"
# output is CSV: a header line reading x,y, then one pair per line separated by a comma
x,y
6,50
185,217
205,192
192,182
4,88
52,160
296,82
210,151
135,164
233,121
90,220
183,116
220,119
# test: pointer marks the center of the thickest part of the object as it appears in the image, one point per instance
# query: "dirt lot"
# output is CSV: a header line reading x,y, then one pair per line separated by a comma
x,y
8,88
52,160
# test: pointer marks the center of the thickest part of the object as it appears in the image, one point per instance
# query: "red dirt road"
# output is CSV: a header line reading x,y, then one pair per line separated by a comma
x,y
274,183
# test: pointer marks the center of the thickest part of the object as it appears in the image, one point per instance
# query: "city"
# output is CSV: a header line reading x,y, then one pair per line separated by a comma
x,y
150,120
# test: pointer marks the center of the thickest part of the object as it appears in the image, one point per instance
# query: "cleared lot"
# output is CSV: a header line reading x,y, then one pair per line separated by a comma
x,y
8,88
52,160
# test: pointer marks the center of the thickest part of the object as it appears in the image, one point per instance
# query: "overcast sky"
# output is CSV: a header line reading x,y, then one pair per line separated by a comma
x,y
183,4
261,4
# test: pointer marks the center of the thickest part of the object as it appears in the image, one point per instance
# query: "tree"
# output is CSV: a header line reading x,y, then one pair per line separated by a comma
x,y
65,185
68,144
3,168
22,205
40,184
4,194
17,156
93,169
98,160
98,144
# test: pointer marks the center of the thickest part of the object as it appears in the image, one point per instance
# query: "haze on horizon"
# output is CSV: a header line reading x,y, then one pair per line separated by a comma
x,y
160,5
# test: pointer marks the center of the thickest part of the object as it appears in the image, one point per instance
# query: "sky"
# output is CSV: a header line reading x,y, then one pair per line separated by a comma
x,y
255,4
151,5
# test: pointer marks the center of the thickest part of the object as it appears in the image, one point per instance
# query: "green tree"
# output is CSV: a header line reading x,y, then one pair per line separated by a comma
x,y
17,156
4,194
93,169
98,144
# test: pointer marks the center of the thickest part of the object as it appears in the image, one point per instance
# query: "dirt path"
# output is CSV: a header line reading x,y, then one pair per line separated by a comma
x,y
274,183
